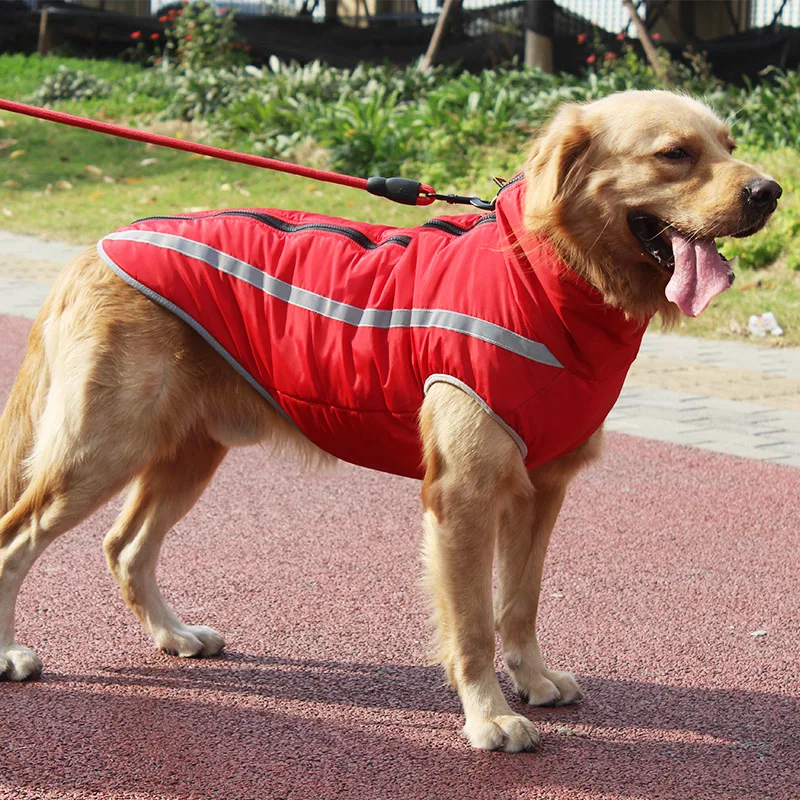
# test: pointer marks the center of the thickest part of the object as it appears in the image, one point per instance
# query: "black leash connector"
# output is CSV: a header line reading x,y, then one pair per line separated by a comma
x,y
413,193
401,190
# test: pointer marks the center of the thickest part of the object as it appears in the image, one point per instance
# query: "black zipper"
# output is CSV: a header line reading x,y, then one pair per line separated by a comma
x,y
287,227
456,230
351,233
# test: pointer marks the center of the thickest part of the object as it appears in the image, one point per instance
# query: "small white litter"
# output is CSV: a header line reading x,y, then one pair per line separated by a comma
x,y
763,324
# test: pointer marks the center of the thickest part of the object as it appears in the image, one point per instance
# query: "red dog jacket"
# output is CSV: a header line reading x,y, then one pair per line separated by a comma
x,y
343,326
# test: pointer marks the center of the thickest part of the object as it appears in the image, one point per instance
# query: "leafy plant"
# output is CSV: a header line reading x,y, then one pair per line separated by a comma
x,y
71,84
200,36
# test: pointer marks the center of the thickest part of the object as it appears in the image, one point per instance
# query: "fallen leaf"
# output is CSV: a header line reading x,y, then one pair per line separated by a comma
x,y
11,184
96,195
758,633
17,153
225,187
557,595
8,212
244,191
146,162
565,731
756,284
131,180
6,143
63,185
93,170
108,179
194,209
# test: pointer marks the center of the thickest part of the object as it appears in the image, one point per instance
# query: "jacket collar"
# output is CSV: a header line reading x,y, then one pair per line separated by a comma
x,y
588,336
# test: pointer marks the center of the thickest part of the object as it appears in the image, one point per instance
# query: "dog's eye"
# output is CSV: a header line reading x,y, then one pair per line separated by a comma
x,y
674,154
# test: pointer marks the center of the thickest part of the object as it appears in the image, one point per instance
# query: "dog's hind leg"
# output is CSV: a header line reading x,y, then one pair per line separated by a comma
x,y
70,474
164,491
103,392
52,504
523,537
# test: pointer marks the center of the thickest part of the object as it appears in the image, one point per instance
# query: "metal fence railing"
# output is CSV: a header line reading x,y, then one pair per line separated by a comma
x,y
785,12
482,32
609,15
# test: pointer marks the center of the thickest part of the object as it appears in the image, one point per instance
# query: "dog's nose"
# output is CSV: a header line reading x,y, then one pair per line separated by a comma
x,y
762,193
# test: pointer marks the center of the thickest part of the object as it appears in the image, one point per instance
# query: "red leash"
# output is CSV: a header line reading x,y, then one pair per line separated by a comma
x,y
401,190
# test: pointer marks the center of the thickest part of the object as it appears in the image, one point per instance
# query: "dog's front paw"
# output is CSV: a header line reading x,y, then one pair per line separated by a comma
x,y
18,663
545,688
189,641
512,733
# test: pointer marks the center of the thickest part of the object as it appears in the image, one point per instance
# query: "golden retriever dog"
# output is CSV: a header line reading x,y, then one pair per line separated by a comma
x,y
117,392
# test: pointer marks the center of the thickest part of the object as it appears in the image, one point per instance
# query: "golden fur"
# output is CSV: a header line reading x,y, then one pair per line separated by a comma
x,y
114,392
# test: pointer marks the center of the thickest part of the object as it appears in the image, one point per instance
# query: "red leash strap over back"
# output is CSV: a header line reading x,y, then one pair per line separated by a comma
x,y
407,192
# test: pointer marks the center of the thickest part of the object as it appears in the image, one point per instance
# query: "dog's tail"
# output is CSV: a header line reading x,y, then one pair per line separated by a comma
x,y
22,413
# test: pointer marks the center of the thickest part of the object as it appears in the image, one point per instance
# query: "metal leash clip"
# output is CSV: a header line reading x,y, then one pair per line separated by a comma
x,y
483,205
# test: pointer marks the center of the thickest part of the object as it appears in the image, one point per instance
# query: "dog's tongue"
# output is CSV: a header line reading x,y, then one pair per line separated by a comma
x,y
700,273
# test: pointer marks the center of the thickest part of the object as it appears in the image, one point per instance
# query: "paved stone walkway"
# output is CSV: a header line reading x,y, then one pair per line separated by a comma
x,y
730,397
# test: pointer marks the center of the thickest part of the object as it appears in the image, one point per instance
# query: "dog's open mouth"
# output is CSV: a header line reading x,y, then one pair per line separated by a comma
x,y
699,272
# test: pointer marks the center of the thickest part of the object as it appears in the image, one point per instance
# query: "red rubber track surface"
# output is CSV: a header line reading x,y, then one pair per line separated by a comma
x,y
666,557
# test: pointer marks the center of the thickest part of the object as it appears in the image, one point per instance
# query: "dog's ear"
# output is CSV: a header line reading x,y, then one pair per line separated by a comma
x,y
554,164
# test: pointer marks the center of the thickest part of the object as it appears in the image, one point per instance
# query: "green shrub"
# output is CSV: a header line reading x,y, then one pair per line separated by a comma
x,y
199,36
71,84
373,117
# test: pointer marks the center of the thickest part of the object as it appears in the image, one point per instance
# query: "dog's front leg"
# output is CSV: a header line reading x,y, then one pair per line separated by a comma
x,y
473,467
524,534
522,542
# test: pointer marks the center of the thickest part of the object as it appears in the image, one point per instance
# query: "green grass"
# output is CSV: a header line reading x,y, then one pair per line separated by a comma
x,y
21,75
174,183
118,188
754,292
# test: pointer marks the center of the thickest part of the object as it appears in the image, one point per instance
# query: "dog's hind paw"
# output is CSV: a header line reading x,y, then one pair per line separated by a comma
x,y
18,663
189,641
511,733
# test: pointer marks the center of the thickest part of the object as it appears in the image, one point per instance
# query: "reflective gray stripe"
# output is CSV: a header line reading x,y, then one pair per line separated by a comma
x,y
440,378
344,312
192,323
